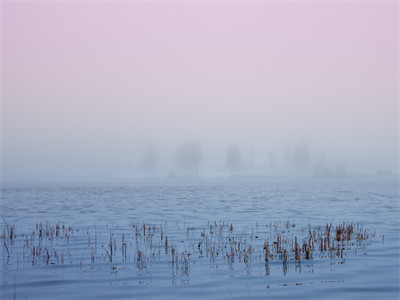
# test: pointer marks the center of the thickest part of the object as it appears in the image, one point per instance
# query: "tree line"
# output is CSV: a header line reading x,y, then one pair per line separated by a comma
x,y
189,156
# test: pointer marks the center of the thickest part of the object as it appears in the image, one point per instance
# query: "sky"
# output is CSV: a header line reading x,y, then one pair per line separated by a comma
x,y
86,86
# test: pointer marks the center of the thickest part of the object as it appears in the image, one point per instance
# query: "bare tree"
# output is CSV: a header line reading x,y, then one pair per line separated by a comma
x,y
301,157
149,160
233,159
188,157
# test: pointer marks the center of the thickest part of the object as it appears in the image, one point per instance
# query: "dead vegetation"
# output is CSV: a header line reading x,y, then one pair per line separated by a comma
x,y
216,242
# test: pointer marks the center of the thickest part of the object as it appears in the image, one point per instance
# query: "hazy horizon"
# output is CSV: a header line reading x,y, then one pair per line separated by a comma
x,y
87,88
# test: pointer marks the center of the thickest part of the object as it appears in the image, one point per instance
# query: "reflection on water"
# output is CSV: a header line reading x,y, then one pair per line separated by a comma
x,y
152,241
144,246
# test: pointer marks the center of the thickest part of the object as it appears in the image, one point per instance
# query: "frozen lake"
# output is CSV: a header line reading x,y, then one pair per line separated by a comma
x,y
74,225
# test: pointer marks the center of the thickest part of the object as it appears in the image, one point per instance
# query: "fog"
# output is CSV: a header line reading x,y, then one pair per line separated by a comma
x,y
132,91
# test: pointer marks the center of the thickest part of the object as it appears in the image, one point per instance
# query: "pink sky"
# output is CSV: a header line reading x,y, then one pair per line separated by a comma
x,y
80,75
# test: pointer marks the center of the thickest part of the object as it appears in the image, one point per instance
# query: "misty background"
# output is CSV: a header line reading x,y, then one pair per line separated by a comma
x,y
136,90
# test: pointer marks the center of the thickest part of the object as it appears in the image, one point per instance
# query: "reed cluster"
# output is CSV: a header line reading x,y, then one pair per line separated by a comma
x,y
216,243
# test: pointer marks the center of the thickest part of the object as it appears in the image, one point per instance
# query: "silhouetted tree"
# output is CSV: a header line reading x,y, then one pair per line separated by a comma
x,y
149,160
251,158
288,158
188,157
301,156
321,170
271,159
233,159
341,170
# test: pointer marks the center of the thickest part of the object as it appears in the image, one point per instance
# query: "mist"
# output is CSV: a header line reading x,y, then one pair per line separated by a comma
x,y
138,91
